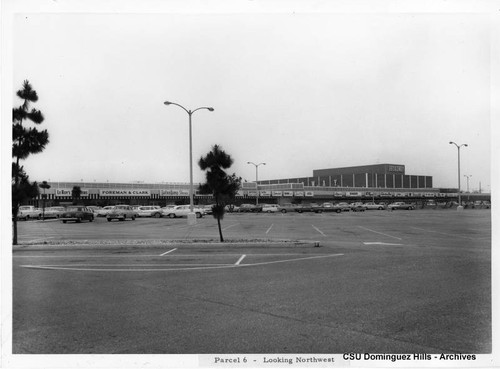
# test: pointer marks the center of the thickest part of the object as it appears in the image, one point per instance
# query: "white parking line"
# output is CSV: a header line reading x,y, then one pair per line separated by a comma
x,y
269,228
384,234
168,252
202,267
318,230
240,260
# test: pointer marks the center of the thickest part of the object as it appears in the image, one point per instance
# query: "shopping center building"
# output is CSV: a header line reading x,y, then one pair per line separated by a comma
x,y
361,183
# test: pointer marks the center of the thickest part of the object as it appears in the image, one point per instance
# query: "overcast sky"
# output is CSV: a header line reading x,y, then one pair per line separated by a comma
x,y
297,90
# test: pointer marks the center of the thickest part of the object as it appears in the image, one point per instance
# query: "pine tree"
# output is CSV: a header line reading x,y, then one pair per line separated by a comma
x,y
26,140
221,185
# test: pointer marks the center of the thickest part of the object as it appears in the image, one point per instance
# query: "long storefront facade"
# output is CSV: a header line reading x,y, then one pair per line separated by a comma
x,y
378,182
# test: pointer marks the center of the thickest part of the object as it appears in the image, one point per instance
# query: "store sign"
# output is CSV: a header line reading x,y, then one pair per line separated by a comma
x,y
277,193
299,193
169,193
354,194
309,193
265,193
252,193
338,194
132,192
68,192
396,168
288,193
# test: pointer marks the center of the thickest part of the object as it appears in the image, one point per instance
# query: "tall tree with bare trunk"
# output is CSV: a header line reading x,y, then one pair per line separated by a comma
x,y
26,140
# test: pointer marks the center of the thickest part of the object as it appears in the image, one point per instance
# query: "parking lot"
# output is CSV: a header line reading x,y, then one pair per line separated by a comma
x,y
378,281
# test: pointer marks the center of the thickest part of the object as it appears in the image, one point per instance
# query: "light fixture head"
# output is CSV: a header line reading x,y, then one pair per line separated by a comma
x,y
210,109
167,103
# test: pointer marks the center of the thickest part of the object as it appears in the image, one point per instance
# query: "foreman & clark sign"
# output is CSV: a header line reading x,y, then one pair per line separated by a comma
x,y
131,192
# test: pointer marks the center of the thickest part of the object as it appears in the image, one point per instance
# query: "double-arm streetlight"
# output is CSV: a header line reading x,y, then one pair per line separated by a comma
x,y
458,147
256,179
190,113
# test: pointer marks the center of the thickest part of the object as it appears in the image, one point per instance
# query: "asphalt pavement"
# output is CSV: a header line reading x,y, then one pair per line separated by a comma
x,y
393,282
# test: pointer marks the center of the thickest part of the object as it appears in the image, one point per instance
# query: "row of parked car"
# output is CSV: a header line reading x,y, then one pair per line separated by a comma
x,y
319,208
122,212
119,212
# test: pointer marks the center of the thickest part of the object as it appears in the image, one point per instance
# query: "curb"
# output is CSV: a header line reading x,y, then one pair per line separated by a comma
x,y
162,244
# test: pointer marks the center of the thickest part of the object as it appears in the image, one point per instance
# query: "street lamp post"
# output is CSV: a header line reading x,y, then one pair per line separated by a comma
x,y
256,179
191,215
459,195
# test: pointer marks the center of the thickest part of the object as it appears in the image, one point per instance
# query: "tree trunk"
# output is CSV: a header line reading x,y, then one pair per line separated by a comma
x,y
14,231
220,230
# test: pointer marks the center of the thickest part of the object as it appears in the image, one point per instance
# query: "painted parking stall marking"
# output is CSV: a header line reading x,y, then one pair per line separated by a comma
x,y
317,229
178,265
240,260
168,252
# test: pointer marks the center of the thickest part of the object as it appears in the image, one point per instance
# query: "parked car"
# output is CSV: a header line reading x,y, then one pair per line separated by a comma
x,y
270,208
104,211
374,206
183,211
432,204
231,208
330,207
207,209
303,208
149,211
166,209
121,212
54,211
286,207
486,205
28,212
358,206
344,206
401,206
77,213
248,208
94,209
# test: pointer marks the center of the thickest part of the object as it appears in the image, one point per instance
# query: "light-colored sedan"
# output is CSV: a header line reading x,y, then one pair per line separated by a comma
x,y
149,211
121,212
373,206
183,211
54,211
27,212
167,209
270,208
104,211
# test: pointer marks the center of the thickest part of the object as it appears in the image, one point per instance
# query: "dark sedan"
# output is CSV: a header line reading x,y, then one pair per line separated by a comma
x,y
77,214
